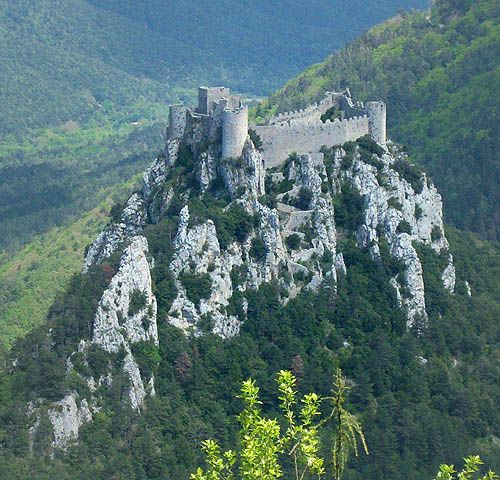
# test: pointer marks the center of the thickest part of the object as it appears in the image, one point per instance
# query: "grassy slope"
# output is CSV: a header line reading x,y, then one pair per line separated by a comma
x,y
31,279
439,75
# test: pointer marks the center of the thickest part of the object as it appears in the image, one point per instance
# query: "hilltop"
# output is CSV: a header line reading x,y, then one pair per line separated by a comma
x,y
224,265
438,72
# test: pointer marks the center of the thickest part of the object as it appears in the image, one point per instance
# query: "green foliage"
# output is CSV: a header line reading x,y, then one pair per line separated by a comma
x,y
264,443
232,224
393,202
147,356
258,249
255,137
438,74
418,212
441,410
410,173
331,114
436,233
404,227
348,429
370,146
67,171
472,464
303,200
293,241
137,302
349,206
98,361
198,286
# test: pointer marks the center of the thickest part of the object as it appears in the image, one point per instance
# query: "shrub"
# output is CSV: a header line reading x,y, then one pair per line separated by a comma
x,y
137,302
348,208
293,241
147,356
404,227
418,211
198,286
367,144
98,360
347,161
410,173
255,137
185,157
239,275
394,203
331,114
303,200
164,289
436,234
258,250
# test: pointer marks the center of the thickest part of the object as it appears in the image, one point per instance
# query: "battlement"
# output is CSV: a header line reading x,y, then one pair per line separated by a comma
x,y
307,130
336,119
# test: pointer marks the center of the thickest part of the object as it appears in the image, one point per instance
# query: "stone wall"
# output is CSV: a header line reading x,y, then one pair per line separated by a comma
x,y
305,136
208,96
177,121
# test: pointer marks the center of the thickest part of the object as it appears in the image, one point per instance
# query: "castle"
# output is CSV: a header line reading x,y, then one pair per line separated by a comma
x,y
333,121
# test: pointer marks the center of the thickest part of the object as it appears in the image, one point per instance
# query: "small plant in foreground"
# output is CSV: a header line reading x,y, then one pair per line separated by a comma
x,y
265,444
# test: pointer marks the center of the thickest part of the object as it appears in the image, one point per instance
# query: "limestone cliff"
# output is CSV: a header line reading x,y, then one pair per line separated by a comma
x,y
285,225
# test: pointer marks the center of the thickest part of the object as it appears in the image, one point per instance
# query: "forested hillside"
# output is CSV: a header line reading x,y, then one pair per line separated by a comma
x,y
50,178
61,60
440,76
425,395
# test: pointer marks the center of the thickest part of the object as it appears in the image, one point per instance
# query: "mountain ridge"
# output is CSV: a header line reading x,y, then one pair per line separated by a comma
x,y
201,249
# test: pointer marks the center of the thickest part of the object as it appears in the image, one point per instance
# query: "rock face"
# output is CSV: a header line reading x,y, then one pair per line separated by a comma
x,y
67,417
117,322
282,228
400,213
125,316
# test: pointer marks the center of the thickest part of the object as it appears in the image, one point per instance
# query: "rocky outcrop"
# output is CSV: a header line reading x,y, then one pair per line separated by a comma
x,y
132,221
127,310
245,174
290,236
397,213
67,417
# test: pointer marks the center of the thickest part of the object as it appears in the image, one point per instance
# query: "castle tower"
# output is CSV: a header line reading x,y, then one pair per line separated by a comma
x,y
177,121
209,96
377,121
234,131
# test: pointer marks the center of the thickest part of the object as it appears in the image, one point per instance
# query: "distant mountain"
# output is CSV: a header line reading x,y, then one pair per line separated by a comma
x,y
440,76
61,60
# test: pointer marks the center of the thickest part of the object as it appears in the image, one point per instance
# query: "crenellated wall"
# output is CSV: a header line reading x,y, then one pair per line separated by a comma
x,y
307,135
220,115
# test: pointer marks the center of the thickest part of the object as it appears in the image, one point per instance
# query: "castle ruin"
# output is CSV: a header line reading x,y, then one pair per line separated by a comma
x,y
333,121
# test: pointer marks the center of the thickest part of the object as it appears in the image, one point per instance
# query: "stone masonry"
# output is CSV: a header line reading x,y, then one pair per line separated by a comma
x,y
221,115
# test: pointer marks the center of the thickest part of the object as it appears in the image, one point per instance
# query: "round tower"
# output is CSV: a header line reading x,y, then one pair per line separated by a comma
x,y
377,121
234,132
177,121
